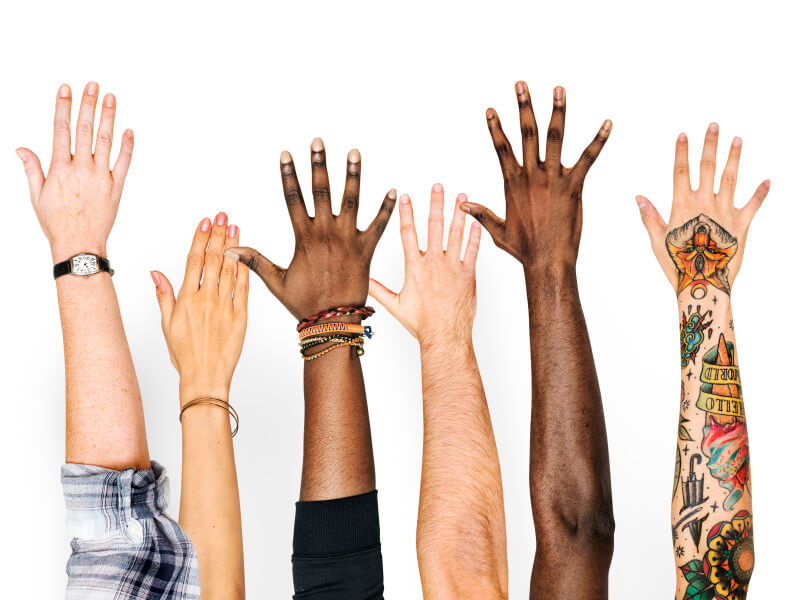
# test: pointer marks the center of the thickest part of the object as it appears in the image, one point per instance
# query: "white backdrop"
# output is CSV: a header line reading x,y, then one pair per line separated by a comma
x,y
214,92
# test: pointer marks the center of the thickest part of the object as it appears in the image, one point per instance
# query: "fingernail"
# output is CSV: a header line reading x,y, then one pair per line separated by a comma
x,y
156,278
607,124
354,156
520,87
737,142
21,154
437,187
221,219
205,224
91,89
461,198
682,137
317,145
392,194
128,134
490,113
404,199
558,93
713,128
641,202
109,100
233,231
228,253
63,91
768,183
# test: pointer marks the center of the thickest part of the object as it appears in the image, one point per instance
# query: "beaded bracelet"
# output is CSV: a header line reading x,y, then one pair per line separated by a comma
x,y
212,402
342,311
334,328
316,341
358,343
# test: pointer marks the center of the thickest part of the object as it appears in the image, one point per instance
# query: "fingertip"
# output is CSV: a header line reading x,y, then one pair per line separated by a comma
x,y
521,87
233,231
737,142
405,200
461,198
713,128
205,225
682,139
392,194
232,253
23,156
490,114
437,187
156,278
767,183
109,100
64,91
286,158
465,206
221,219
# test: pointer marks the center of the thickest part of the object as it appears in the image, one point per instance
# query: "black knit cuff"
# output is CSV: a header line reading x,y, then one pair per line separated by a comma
x,y
336,527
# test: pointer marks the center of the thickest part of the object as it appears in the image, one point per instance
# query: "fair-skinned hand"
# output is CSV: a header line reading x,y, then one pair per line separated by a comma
x,y
205,327
77,202
708,250
438,295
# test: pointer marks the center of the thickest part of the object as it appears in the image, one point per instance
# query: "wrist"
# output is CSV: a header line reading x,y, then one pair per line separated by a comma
x,y
549,270
64,250
452,338
189,392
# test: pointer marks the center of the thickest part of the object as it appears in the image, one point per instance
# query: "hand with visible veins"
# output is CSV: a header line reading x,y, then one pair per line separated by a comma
x,y
77,202
688,204
543,198
439,289
205,327
331,260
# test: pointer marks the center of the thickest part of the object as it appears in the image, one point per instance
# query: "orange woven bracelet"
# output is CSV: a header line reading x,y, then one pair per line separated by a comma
x,y
332,328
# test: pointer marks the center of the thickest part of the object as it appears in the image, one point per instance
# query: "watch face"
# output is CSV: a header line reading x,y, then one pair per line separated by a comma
x,y
84,264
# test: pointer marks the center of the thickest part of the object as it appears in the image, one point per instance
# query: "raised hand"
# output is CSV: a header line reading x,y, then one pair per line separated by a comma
x,y
543,198
703,243
205,327
438,295
331,259
77,202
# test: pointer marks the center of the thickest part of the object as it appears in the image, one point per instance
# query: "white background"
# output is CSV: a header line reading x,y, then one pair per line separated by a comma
x,y
214,92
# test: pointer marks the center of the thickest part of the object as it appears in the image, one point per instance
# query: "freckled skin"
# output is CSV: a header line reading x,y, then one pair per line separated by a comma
x,y
570,482
330,268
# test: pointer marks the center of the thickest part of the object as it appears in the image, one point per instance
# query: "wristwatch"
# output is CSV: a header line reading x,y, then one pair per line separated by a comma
x,y
83,264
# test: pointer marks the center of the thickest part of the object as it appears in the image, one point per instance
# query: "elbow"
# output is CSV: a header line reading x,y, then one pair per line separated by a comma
x,y
580,524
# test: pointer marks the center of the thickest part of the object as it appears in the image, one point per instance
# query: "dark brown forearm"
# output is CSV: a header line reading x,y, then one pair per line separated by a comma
x,y
337,446
569,466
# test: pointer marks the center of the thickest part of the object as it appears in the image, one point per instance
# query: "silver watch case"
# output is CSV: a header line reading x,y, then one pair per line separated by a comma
x,y
84,265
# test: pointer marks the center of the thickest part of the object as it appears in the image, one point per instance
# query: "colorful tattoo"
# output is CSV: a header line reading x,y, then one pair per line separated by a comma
x,y
692,334
725,571
725,441
701,250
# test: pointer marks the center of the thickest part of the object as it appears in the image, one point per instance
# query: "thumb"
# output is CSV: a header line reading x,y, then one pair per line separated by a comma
x,y
270,273
653,223
33,170
164,295
386,297
493,224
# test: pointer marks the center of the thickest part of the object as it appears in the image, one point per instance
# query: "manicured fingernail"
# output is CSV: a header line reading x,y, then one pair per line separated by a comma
x,y
682,137
392,194
63,91
228,253
437,187
520,87
490,113
233,231
21,154
221,219
713,128
558,93
737,142
205,224
156,278
767,183
109,100
404,199
461,198
91,89
354,156
317,145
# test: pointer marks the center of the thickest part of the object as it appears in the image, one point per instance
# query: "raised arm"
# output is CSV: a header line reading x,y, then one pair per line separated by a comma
x,y
205,330
461,532
76,205
570,482
700,251
336,541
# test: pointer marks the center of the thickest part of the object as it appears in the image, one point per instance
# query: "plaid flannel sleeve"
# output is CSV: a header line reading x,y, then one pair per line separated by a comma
x,y
124,546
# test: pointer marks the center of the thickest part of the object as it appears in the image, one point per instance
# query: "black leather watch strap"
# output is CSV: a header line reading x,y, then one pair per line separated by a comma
x,y
104,265
65,267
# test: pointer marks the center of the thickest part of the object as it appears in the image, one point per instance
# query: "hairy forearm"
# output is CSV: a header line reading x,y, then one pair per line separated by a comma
x,y
337,445
711,502
209,510
105,421
461,540
570,490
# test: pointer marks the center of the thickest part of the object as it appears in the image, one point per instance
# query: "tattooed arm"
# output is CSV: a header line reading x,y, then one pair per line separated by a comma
x,y
700,250
336,541
569,473
461,533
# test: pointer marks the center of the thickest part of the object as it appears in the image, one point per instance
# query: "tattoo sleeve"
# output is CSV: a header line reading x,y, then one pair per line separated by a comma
x,y
712,529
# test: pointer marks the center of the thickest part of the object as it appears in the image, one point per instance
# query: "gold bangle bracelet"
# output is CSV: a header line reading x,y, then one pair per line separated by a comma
x,y
213,402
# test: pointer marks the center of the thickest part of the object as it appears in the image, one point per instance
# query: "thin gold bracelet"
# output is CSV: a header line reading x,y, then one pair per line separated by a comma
x,y
213,402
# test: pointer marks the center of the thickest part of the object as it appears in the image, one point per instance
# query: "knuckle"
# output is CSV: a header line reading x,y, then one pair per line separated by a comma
x,y
728,180
554,134
253,263
528,132
287,171
320,192
707,163
195,260
84,126
588,158
61,126
104,137
350,202
292,198
682,170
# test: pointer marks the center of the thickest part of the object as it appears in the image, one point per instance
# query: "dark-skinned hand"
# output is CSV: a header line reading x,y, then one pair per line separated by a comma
x,y
543,198
331,260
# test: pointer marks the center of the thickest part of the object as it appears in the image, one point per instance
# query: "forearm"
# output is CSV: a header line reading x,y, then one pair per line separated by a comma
x,y
570,490
712,472
461,542
337,445
105,420
209,510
